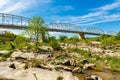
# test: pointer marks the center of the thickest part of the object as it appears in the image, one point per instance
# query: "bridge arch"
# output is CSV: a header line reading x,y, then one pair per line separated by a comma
x,y
94,30
64,26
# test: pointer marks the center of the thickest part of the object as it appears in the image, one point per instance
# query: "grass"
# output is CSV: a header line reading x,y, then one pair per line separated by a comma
x,y
114,63
85,53
5,56
36,62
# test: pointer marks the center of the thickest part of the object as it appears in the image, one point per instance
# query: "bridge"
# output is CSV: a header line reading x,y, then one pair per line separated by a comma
x,y
9,21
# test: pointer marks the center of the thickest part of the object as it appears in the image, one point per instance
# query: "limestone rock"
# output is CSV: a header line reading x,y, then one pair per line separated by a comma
x,y
96,77
69,63
89,66
67,68
77,69
47,48
68,76
66,63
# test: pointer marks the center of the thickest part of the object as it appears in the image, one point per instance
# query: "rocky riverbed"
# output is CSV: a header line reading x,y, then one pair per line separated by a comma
x,y
52,65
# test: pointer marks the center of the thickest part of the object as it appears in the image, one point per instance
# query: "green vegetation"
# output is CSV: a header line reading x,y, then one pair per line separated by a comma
x,y
10,41
114,62
37,30
4,56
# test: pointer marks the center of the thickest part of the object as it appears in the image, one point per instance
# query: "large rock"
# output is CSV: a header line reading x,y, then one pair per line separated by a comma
x,y
4,51
89,66
76,70
97,50
66,63
47,48
67,68
28,74
69,63
68,76
23,55
16,54
96,77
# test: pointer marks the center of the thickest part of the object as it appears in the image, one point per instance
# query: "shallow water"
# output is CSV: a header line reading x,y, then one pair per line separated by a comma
x,y
104,74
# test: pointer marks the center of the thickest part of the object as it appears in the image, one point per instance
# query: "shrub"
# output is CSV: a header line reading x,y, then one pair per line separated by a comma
x,y
85,53
36,62
5,56
55,45
114,62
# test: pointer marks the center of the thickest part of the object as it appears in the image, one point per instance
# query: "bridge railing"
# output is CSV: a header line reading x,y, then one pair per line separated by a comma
x,y
8,19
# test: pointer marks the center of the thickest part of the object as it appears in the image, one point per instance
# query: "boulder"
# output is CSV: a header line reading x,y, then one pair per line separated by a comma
x,y
96,77
46,48
69,63
16,54
3,52
68,76
89,66
77,69
21,55
66,63
67,68
17,65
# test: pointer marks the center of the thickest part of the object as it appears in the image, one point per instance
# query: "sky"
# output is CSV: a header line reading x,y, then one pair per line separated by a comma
x,y
103,14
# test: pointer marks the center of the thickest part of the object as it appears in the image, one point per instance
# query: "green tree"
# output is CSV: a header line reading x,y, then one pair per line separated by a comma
x,y
74,39
21,41
109,41
63,39
37,30
54,43
7,37
118,36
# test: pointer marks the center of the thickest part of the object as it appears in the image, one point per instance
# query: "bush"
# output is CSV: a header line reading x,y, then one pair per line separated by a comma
x,y
5,56
114,62
85,53
55,45
36,62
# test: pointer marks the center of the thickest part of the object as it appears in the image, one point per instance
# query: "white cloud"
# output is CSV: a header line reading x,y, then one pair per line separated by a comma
x,y
96,15
57,9
18,6
109,6
3,3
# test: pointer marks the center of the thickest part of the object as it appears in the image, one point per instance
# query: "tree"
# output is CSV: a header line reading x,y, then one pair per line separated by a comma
x,y
109,41
37,29
118,36
21,41
63,39
74,39
7,37
54,43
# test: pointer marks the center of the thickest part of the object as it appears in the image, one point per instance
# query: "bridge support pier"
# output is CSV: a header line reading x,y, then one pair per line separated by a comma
x,y
82,35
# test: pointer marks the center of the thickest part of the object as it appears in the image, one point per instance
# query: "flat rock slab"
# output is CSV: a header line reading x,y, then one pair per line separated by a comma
x,y
28,74
3,51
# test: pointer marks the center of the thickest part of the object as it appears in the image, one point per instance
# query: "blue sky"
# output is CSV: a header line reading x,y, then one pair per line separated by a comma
x,y
103,14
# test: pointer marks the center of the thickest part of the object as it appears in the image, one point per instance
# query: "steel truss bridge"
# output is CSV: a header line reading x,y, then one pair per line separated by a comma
x,y
9,21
